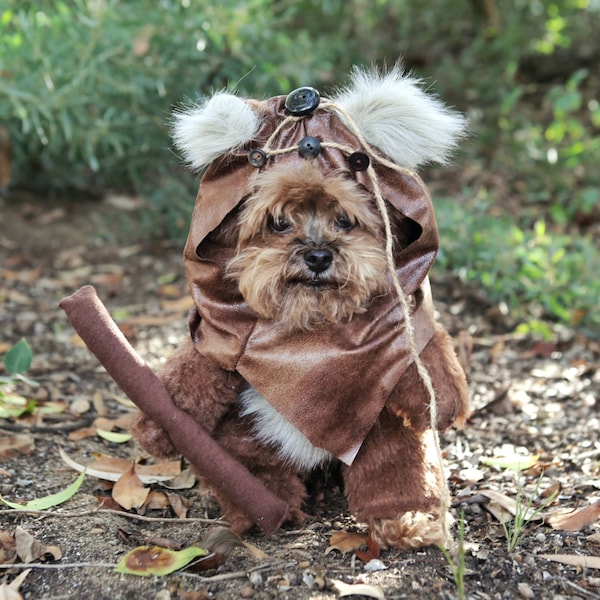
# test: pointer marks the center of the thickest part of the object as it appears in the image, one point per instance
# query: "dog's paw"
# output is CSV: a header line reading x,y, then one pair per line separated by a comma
x,y
153,438
410,530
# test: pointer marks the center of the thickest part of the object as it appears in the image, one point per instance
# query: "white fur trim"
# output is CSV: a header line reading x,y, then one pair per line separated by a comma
x,y
205,132
394,114
273,429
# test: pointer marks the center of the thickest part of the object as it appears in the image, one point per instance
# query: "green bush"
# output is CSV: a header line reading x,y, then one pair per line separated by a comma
x,y
538,274
87,86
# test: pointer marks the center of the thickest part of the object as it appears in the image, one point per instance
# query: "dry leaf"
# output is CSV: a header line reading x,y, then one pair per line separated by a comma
x,y
13,444
221,540
157,561
29,549
343,541
111,468
575,521
10,591
574,560
184,481
595,538
507,505
552,490
129,491
178,504
357,589
156,501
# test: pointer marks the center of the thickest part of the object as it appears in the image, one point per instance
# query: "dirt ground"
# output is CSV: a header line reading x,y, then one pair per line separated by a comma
x,y
528,398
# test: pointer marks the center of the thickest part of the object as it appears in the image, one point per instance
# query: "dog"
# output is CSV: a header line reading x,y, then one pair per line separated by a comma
x,y
303,255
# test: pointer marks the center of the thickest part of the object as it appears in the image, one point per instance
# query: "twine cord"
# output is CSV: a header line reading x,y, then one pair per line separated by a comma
x,y
389,251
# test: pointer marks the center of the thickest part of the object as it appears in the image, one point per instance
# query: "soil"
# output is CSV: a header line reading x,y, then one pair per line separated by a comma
x,y
535,399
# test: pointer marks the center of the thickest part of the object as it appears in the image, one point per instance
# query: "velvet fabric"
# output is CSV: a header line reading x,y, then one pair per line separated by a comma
x,y
333,381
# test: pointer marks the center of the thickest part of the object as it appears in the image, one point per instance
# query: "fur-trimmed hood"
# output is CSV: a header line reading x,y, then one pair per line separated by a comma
x,y
331,382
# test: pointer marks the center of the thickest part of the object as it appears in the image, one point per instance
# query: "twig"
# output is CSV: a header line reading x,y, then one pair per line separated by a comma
x,y
579,589
57,566
96,511
239,574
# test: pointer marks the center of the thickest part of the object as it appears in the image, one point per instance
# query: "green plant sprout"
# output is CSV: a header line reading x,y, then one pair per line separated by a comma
x,y
455,557
17,361
524,514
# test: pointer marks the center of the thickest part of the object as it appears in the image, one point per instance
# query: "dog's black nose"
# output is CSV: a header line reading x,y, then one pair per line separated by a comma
x,y
318,260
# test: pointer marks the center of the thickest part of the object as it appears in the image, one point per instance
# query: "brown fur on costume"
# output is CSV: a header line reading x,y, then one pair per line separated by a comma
x,y
311,252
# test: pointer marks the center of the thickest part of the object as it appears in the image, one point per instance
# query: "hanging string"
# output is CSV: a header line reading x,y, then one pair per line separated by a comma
x,y
389,251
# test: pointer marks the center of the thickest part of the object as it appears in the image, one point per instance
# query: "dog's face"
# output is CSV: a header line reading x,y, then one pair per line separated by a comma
x,y
311,248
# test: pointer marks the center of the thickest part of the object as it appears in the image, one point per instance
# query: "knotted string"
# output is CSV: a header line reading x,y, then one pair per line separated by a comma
x,y
389,251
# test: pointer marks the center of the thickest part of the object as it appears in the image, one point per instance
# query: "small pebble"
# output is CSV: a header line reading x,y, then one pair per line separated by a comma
x,y
247,591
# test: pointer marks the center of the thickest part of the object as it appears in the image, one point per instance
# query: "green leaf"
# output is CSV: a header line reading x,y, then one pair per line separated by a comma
x,y
14,405
48,501
516,462
153,560
115,437
18,358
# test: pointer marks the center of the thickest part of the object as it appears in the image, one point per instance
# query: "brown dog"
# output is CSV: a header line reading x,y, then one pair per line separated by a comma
x,y
298,256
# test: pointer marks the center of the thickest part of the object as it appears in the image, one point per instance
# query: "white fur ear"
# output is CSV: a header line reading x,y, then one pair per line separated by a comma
x,y
205,132
394,114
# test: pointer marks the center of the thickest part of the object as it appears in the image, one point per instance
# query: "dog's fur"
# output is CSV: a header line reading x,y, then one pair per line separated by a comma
x,y
311,252
291,215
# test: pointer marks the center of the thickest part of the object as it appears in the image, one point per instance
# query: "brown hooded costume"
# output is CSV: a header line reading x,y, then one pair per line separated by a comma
x,y
350,387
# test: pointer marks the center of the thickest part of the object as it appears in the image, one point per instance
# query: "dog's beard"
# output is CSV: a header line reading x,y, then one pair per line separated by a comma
x,y
310,248
277,284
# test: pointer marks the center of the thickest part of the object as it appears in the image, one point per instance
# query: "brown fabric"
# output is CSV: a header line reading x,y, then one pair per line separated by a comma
x,y
333,381
93,323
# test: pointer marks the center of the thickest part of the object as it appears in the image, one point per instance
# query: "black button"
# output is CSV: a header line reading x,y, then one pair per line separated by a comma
x,y
257,158
302,101
359,161
309,147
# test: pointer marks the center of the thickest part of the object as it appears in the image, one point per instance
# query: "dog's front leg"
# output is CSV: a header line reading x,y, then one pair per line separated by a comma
x,y
395,485
199,387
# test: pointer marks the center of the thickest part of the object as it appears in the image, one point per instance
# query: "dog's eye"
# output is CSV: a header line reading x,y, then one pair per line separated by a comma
x,y
279,224
343,223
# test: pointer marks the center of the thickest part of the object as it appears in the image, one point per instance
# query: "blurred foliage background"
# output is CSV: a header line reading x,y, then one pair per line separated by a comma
x,y
87,86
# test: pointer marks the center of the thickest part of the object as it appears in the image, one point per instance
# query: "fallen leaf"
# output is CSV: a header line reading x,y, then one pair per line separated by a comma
x,y
10,445
575,521
514,462
184,481
124,401
156,500
179,505
357,589
129,491
10,591
146,560
221,540
343,541
29,549
574,560
51,500
115,437
111,469
81,434
509,505
595,538
552,490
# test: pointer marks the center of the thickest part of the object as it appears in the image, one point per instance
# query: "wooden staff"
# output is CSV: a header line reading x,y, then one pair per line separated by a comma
x,y
93,323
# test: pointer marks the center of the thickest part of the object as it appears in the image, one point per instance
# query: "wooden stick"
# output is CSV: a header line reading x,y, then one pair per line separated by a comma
x,y
93,323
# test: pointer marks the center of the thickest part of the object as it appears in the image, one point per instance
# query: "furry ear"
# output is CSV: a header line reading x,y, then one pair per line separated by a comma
x,y
205,132
394,114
